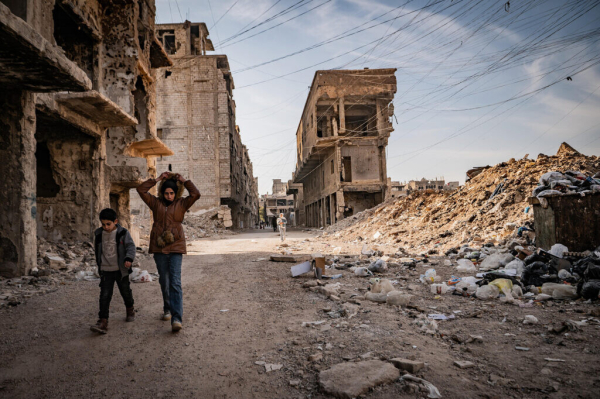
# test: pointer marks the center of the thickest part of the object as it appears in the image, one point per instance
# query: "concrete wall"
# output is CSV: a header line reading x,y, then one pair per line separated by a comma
x,y
196,119
17,179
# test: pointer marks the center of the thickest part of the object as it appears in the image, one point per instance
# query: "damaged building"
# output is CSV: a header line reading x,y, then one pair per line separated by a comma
x,y
78,128
196,119
341,140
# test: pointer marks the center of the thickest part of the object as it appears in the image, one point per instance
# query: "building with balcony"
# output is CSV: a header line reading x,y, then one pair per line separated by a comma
x,y
78,128
341,140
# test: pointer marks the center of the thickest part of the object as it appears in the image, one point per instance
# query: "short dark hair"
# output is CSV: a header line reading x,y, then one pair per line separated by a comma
x,y
108,214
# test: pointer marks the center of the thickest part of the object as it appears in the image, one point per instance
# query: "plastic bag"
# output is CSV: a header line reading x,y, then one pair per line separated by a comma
x,y
439,288
517,265
564,274
504,285
362,272
383,285
464,286
487,292
429,276
549,177
591,289
558,249
141,277
378,266
559,291
496,261
398,298
465,266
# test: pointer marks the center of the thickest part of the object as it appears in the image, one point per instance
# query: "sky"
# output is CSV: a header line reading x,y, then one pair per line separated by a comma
x,y
479,81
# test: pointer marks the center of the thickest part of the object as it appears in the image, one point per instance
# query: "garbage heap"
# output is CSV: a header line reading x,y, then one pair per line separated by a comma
x,y
491,207
215,221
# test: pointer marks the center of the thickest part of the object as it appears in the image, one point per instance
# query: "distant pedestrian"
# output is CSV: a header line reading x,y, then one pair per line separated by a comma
x,y
115,252
167,239
282,223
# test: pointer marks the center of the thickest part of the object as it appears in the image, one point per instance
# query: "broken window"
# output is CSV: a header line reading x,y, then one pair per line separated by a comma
x,y
17,7
168,40
141,108
74,39
346,172
46,186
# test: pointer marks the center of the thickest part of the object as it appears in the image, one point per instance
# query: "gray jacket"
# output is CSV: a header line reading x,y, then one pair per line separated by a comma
x,y
125,249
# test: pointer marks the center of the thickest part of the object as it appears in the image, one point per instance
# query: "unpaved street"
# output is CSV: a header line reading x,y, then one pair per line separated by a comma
x,y
47,350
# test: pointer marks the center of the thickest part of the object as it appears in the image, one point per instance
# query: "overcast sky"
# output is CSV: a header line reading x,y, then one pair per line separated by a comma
x,y
478,82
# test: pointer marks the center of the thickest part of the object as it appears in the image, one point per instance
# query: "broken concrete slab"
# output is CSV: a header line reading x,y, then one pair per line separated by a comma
x,y
349,380
412,366
464,364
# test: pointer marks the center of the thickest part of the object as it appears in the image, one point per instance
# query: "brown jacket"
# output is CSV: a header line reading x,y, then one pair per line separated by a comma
x,y
168,218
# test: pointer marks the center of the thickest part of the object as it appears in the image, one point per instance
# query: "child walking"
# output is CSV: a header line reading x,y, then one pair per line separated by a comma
x,y
115,252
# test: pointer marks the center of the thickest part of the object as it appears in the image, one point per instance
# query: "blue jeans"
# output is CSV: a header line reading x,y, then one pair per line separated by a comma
x,y
169,271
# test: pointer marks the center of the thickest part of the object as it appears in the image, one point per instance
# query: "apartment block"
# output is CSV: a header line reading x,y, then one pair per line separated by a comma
x,y
341,140
78,127
196,119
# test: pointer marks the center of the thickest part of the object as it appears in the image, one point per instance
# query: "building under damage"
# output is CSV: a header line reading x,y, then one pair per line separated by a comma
x,y
341,140
279,202
196,119
78,125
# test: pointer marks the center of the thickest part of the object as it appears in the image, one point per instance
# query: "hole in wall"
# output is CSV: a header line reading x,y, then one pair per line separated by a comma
x,y
46,186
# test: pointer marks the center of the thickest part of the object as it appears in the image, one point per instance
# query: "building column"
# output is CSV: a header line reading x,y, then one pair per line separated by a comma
x,y
18,177
342,113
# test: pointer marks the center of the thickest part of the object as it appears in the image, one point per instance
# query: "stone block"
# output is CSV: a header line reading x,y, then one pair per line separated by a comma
x,y
412,366
349,380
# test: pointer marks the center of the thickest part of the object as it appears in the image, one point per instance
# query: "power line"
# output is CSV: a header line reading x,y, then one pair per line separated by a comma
x,y
225,13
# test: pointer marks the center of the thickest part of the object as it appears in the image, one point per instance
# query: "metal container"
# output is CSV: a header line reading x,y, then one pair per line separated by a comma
x,y
571,220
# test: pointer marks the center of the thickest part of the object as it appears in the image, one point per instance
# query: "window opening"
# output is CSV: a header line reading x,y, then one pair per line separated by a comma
x,y
46,186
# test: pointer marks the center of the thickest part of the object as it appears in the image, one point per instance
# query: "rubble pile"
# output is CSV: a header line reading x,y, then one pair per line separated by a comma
x,y
57,264
491,207
215,221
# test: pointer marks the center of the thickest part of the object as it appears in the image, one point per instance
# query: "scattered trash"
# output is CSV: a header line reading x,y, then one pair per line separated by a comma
x,y
434,393
530,319
140,276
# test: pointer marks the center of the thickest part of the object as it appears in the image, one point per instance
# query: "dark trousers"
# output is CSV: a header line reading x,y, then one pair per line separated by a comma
x,y
107,283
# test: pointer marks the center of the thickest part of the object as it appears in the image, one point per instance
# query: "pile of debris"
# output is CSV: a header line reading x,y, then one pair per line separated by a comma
x,y
215,221
491,207
57,264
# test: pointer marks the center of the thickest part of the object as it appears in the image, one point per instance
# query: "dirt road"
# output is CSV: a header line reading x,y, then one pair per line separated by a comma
x,y
239,308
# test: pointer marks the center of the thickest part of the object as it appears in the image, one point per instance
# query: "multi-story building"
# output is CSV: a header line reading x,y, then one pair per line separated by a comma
x,y
403,189
77,129
341,140
196,118
279,202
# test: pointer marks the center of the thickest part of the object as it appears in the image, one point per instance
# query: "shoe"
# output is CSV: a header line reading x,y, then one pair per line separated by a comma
x,y
166,316
130,314
101,326
176,326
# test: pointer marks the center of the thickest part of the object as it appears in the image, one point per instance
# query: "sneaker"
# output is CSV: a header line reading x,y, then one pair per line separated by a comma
x,y
130,314
101,326
176,326
166,316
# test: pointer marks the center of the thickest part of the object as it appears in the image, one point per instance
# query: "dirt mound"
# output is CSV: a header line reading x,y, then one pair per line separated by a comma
x,y
488,208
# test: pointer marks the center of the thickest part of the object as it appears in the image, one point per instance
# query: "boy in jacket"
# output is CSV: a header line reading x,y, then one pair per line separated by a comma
x,y
115,252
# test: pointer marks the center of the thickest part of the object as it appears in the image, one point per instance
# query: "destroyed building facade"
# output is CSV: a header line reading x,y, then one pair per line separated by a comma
x,y
196,118
341,139
78,128
279,202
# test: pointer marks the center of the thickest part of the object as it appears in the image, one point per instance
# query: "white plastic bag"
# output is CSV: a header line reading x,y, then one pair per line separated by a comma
x,y
465,266
558,249
487,292
141,276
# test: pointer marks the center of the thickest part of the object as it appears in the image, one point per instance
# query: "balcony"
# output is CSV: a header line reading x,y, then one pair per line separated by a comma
x,y
28,60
